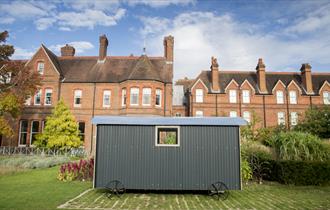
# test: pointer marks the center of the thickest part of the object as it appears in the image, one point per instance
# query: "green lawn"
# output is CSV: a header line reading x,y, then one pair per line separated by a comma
x,y
39,189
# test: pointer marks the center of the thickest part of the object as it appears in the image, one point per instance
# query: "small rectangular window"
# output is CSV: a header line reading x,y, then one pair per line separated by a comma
x,y
232,96
37,98
167,135
77,98
199,113
23,132
280,118
34,131
48,96
199,95
246,96
326,97
146,96
279,97
232,114
81,126
134,99
158,97
293,97
294,118
41,67
246,116
106,98
123,97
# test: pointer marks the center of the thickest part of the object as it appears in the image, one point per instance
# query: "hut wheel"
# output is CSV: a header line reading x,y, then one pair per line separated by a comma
x,y
218,190
115,187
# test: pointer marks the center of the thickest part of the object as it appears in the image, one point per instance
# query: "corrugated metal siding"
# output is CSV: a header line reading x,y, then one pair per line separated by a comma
x,y
206,154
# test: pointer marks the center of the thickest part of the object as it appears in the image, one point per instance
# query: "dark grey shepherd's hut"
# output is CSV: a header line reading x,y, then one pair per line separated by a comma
x,y
163,153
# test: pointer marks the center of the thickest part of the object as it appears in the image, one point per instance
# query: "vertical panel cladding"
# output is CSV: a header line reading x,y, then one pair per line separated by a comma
x,y
206,154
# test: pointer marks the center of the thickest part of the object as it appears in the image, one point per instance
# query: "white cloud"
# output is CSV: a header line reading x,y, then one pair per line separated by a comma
x,y
80,46
44,23
159,3
64,29
237,45
6,20
95,5
153,25
89,18
21,53
25,9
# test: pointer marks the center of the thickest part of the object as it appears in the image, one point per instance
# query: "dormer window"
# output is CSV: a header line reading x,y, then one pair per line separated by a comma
x,y
279,97
232,96
326,97
199,95
293,97
246,96
41,67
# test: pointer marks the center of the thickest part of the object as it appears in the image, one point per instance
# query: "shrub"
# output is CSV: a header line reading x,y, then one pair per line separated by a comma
x,y
302,172
77,171
246,170
295,145
32,162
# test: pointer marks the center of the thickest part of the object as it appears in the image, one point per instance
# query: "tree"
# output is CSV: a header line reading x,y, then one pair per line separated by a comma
x,y
17,83
250,131
61,129
316,121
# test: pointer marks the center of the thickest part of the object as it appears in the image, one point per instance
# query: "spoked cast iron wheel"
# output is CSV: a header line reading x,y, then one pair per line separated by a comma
x,y
218,190
115,187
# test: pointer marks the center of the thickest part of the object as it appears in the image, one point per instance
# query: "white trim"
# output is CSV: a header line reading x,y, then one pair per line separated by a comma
x,y
49,90
248,84
277,97
292,81
200,97
278,82
232,80
109,93
143,94
199,80
167,145
324,83
130,96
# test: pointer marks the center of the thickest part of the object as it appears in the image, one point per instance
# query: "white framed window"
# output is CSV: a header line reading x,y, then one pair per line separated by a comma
x,y
134,99
279,97
158,97
280,118
37,97
146,96
199,113
232,114
199,95
28,101
167,136
247,116
232,96
48,97
77,98
294,118
293,97
246,96
81,127
41,67
23,132
326,97
34,131
106,98
123,97
5,78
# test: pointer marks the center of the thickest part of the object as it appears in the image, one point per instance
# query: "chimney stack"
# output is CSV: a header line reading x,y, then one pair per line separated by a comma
x,y
67,51
306,77
215,75
103,48
168,48
261,76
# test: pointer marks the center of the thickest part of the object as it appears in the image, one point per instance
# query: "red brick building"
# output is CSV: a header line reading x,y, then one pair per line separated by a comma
x,y
275,97
96,85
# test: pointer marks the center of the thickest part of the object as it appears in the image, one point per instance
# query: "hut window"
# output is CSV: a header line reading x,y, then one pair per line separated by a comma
x,y
167,136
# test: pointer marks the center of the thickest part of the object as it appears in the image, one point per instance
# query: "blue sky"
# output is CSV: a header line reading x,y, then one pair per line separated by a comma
x,y
284,33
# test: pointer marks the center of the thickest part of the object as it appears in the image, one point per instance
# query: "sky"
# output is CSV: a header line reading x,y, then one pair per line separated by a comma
x,y
285,33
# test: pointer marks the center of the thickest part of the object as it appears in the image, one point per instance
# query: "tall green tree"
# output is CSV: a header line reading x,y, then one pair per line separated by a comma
x,y
316,121
61,129
17,83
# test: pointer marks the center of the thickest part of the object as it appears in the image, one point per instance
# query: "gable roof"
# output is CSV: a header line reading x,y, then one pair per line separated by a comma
x,y
272,78
115,68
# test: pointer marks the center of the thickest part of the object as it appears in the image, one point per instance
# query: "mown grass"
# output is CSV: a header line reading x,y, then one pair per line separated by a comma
x,y
37,189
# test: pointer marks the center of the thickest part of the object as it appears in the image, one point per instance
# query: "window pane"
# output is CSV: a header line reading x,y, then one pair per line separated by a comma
x,y
34,131
246,116
280,97
233,114
106,98
123,97
281,118
326,97
37,98
81,126
134,96
146,98
199,113
48,97
293,97
246,96
167,136
199,95
41,67
23,132
158,97
232,96
294,118
77,97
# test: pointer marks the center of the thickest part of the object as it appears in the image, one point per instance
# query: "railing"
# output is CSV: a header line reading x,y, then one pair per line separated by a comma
x,y
73,152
